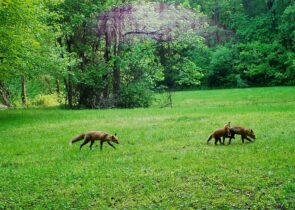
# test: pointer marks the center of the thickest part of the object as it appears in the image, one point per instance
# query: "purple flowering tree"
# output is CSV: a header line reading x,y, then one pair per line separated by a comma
x,y
159,21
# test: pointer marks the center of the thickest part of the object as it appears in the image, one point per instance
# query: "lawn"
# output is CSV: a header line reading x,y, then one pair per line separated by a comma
x,y
162,161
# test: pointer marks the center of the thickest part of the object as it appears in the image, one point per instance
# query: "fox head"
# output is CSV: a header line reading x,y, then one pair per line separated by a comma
x,y
250,133
114,138
227,129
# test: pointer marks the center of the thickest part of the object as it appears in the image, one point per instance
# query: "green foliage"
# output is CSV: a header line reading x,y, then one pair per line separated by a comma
x,y
187,73
263,64
136,94
91,74
27,42
44,84
287,27
256,28
252,63
138,61
140,71
28,45
184,61
290,71
46,100
221,68
248,43
261,49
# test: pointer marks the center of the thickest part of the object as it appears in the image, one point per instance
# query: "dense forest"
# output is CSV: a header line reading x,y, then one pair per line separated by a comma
x,y
116,53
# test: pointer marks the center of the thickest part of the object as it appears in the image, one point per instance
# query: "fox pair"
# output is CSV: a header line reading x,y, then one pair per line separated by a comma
x,y
229,132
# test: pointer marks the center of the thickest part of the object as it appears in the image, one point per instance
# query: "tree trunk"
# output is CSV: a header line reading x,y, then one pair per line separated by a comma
x,y
116,73
105,91
57,86
24,91
69,83
270,4
216,19
5,94
70,92
116,80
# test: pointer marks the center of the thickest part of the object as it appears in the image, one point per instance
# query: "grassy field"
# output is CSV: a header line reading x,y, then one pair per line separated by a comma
x,y
163,160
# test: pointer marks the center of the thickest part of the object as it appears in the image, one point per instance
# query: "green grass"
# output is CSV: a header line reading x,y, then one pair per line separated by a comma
x,y
163,160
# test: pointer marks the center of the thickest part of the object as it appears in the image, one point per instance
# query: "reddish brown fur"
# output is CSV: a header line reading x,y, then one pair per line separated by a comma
x,y
220,132
96,136
244,132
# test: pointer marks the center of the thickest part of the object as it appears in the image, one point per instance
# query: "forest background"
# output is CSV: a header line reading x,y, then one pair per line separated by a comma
x,y
76,52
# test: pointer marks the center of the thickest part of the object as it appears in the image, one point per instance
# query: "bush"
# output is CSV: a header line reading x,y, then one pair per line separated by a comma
x,y
263,64
221,73
187,73
46,100
135,95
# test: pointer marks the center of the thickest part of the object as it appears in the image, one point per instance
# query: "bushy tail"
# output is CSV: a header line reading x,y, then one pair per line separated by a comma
x,y
77,138
210,137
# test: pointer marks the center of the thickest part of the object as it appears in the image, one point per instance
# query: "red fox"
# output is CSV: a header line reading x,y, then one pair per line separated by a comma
x,y
244,132
221,132
96,136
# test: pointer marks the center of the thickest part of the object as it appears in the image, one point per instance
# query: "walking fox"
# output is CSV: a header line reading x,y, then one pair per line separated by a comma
x,y
96,136
220,132
244,132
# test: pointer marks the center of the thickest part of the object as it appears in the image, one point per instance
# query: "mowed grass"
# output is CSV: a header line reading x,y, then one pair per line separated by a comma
x,y
163,161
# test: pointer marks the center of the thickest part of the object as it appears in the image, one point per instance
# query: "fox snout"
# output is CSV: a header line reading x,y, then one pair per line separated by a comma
x,y
251,134
115,139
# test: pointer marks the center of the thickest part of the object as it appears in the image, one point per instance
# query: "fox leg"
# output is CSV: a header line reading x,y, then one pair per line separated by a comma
x,y
223,139
248,139
232,136
229,140
101,143
243,139
91,144
217,139
85,142
111,145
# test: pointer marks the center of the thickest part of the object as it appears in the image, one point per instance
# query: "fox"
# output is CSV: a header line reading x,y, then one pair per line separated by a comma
x,y
220,132
244,132
96,136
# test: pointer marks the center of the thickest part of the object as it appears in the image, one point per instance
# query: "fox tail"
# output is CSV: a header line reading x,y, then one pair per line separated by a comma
x,y
209,138
77,138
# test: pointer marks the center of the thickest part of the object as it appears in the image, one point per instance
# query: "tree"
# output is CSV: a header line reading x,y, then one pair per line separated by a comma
x,y
27,43
98,53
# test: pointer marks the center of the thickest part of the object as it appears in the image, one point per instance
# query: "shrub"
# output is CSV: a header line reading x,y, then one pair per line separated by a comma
x,y
221,73
135,95
263,63
46,100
